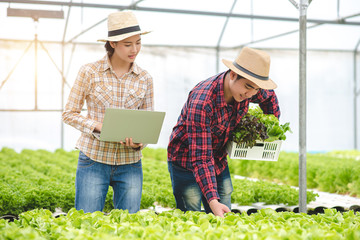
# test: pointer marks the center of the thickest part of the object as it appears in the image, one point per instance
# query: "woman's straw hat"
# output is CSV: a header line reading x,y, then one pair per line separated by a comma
x,y
122,25
253,65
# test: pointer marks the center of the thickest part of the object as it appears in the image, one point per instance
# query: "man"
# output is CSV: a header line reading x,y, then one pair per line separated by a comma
x,y
197,149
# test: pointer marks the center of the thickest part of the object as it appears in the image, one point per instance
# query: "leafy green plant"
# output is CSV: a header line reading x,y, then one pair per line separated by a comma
x,y
247,192
249,130
256,125
324,171
274,129
118,224
40,179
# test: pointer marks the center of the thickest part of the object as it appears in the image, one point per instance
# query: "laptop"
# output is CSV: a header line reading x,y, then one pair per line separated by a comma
x,y
140,125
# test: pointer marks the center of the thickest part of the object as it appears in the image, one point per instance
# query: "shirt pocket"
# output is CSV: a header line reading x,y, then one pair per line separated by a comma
x,y
103,95
134,98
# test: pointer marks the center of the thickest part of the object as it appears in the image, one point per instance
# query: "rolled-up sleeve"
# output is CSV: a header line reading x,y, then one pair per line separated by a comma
x,y
72,112
267,101
200,149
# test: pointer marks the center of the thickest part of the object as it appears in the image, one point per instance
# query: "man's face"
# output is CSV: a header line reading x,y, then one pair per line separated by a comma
x,y
242,88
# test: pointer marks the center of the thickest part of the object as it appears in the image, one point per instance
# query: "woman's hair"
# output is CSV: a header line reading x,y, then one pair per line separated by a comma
x,y
109,49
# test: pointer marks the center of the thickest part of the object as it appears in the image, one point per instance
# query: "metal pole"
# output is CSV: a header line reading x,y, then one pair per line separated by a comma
x,y
355,96
62,94
302,107
63,77
221,36
36,67
177,11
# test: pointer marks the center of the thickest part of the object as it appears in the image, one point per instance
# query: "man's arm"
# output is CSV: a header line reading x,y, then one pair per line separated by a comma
x,y
201,156
200,149
267,101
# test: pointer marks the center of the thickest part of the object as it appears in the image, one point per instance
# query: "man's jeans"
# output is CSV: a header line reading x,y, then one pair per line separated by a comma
x,y
93,180
188,195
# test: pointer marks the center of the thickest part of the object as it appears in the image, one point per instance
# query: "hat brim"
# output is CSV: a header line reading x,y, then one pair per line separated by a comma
x,y
264,84
123,36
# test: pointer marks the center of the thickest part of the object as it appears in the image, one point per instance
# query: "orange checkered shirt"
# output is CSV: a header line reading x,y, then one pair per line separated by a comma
x,y
101,88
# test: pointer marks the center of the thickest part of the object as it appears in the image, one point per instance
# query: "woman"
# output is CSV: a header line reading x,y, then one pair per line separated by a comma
x,y
114,81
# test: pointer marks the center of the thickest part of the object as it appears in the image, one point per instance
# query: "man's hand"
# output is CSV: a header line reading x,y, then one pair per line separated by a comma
x,y
129,143
218,208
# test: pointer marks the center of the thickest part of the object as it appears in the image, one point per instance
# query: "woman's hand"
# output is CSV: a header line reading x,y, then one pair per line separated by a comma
x,y
129,143
98,127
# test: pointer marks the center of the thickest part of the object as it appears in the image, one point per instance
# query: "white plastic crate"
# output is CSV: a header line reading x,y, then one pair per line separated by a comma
x,y
265,151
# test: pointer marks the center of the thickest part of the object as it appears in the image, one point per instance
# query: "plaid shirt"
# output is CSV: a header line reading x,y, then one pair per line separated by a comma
x,y
198,140
98,85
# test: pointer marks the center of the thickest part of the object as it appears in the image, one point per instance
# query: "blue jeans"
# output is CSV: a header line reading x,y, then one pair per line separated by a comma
x,y
187,193
93,180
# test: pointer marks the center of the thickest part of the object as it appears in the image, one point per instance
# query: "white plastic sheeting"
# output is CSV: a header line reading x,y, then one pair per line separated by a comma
x,y
177,68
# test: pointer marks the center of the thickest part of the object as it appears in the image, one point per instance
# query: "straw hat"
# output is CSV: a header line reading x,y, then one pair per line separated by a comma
x,y
253,65
122,25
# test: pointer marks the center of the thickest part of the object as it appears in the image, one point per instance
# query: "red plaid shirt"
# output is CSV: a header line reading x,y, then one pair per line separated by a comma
x,y
198,140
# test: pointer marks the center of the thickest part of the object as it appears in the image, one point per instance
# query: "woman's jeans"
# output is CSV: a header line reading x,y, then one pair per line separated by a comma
x,y
93,180
188,195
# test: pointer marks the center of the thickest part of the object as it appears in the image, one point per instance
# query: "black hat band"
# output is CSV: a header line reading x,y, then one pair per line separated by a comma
x,y
123,31
250,73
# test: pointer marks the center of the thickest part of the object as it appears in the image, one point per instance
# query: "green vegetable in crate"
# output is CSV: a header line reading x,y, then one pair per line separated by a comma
x,y
249,130
256,125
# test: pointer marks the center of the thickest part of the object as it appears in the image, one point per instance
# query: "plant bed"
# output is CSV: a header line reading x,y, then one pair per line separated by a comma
x,y
9,217
264,224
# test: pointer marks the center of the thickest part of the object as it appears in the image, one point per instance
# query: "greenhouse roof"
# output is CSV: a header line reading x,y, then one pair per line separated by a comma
x,y
332,24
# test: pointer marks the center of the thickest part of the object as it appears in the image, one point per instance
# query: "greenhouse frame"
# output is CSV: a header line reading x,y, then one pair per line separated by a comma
x,y
315,57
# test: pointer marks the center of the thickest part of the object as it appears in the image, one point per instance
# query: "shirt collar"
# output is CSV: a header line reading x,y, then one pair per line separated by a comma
x,y
220,97
105,65
135,68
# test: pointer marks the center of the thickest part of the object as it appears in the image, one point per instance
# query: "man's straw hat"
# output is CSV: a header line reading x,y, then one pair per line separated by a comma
x,y
253,65
122,25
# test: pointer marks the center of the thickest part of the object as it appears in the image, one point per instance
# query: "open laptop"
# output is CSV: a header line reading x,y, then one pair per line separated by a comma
x,y
140,125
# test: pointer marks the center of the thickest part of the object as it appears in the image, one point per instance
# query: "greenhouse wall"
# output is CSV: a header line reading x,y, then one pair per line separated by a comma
x,y
175,70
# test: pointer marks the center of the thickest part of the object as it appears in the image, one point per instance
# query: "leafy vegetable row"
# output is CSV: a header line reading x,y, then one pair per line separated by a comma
x,y
42,179
265,224
329,172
